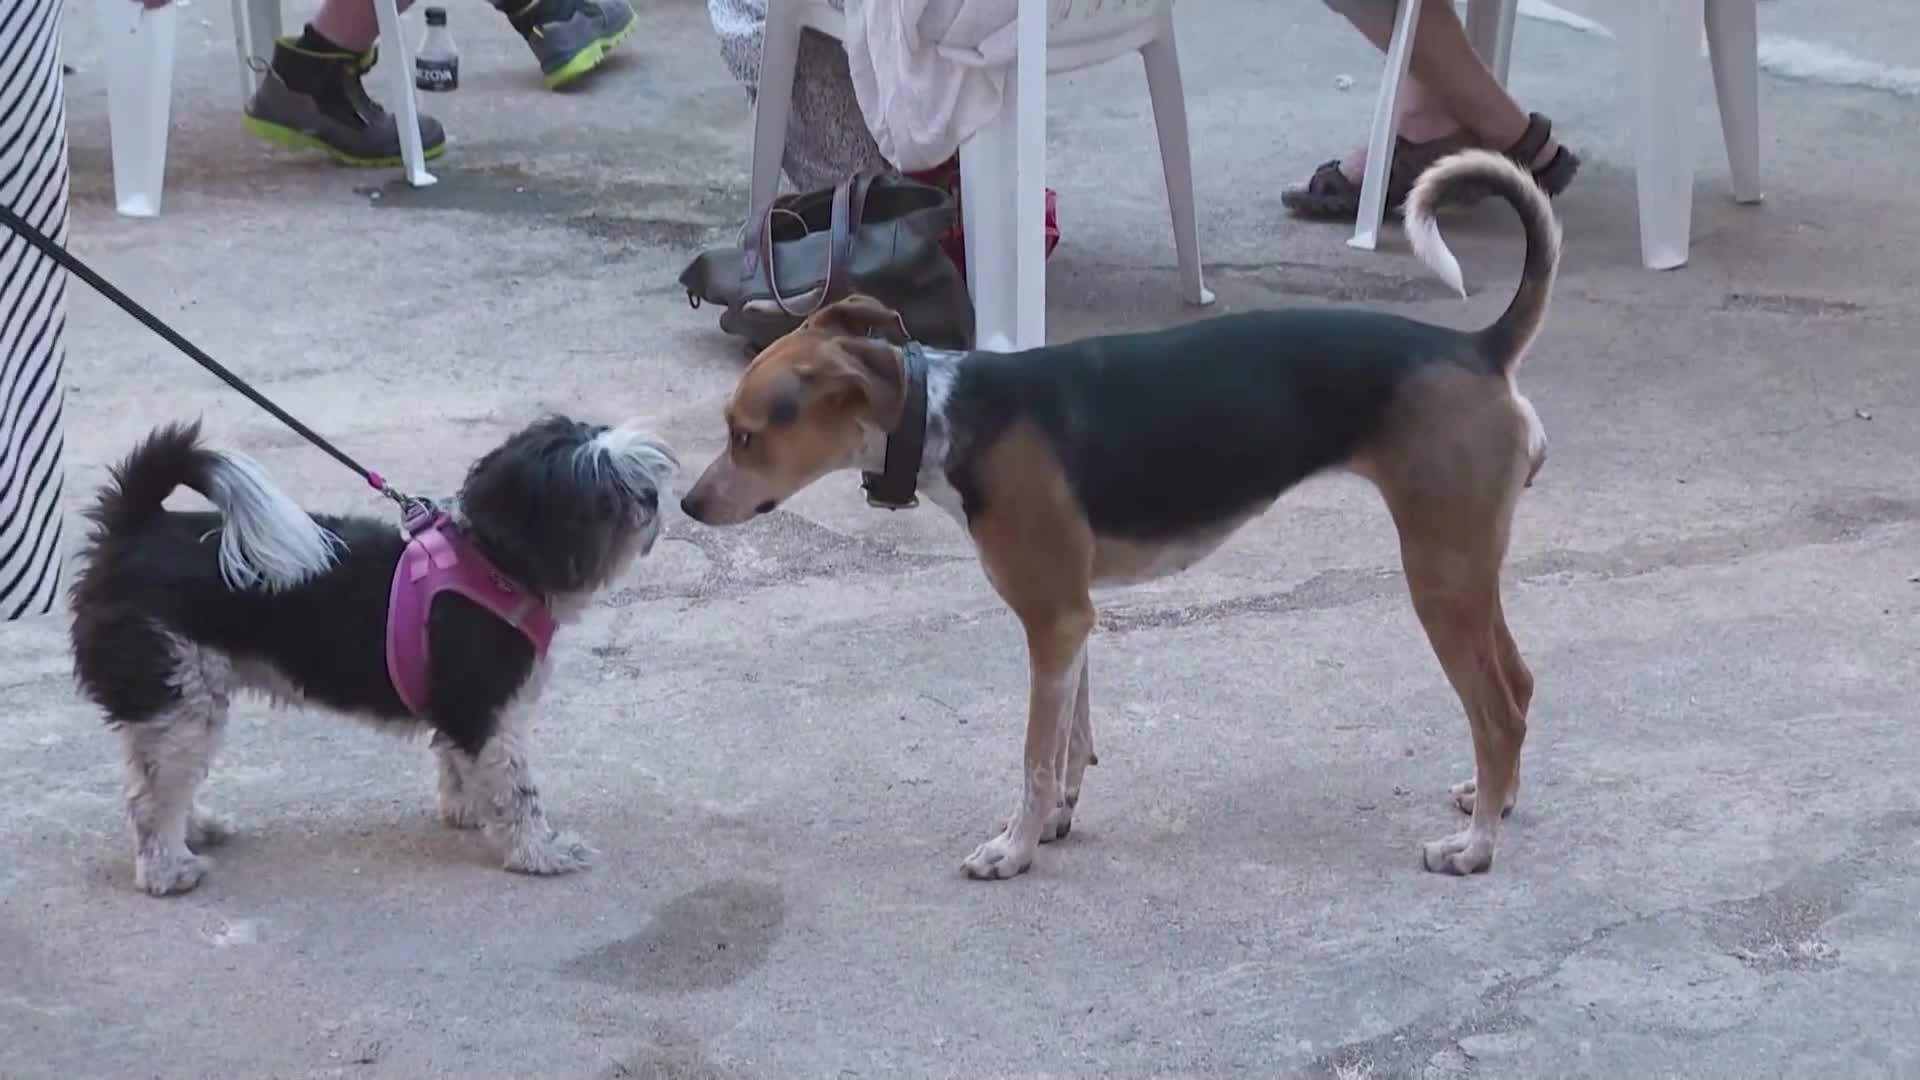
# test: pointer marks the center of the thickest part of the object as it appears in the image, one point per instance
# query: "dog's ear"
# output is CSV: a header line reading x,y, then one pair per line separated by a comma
x,y
871,369
861,316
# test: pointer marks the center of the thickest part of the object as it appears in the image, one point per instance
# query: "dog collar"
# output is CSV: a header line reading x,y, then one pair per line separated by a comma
x,y
892,488
440,558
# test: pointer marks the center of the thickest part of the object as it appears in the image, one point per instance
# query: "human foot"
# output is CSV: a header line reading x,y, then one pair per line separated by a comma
x,y
312,97
1332,193
571,37
1552,165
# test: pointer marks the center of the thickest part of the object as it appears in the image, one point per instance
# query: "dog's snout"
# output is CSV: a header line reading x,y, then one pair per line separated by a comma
x,y
694,506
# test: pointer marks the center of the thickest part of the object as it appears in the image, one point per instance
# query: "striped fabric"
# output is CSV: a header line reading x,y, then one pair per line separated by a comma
x,y
33,305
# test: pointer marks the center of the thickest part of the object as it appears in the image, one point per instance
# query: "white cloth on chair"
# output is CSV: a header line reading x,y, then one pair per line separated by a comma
x,y
929,73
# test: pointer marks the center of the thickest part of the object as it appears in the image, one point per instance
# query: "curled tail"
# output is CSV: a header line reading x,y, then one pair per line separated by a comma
x,y
266,539
1506,341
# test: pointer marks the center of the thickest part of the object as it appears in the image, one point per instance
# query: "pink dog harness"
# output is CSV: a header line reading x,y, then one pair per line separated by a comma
x,y
441,559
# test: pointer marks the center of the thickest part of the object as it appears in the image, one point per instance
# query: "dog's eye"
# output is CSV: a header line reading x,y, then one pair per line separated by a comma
x,y
742,440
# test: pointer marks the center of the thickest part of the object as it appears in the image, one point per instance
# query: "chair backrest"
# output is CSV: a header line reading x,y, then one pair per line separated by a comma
x,y
1085,32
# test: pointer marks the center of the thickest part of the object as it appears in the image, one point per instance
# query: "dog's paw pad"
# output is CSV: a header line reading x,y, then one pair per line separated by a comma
x,y
209,830
998,858
170,875
562,853
1461,854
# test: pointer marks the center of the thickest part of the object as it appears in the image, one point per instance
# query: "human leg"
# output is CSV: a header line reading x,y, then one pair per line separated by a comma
x,y
33,311
1451,100
349,25
827,136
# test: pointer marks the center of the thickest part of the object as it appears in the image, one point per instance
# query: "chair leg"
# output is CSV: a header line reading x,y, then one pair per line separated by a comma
x,y
986,219
779,55
1003,202
256,27
138,45
1162,59
1665,55
1733,44
1386,124
1490,27
399,61
1029,237
992,187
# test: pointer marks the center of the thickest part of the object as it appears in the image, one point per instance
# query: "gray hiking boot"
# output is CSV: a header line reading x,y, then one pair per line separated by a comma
x,y
570,37
311,98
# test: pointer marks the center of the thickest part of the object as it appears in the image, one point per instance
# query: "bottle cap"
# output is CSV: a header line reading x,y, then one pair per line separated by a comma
x,y
436,16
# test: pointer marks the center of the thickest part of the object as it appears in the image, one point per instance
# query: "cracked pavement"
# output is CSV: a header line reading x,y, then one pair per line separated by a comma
x,y
784,738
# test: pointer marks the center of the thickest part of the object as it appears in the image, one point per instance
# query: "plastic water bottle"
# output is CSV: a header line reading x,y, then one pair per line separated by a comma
x,y
436,65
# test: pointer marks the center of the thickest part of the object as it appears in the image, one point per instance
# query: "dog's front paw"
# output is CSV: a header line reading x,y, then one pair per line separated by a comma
x,y
555,853
1000,857
206,829
169,874
1461,854
1463,797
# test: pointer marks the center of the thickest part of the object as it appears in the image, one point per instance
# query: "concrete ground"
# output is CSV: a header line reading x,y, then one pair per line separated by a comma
x,y
784,737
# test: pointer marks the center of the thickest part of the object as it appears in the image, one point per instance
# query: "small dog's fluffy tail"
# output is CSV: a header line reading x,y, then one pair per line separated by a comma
x,y
266,539
1506,341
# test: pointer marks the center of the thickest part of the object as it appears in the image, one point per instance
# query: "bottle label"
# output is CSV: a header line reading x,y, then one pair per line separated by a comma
x,y
436,75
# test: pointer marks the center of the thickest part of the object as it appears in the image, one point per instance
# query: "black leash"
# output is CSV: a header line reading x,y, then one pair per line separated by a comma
x,y
45,245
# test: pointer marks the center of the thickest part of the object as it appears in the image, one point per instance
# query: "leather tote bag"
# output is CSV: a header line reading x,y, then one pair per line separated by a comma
x,y
872,234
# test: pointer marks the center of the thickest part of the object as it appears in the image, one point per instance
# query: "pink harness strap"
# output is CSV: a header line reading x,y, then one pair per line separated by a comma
x,y
439,559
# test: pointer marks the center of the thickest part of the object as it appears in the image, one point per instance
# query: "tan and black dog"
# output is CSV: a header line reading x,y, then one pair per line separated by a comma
x,y
1123,458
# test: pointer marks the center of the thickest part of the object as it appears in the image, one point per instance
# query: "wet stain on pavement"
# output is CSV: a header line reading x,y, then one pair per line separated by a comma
x,y
701,940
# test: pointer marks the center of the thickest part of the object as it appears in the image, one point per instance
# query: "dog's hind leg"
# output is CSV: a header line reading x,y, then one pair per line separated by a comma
x,y
167,756
1451,464
1453,538
1520,683
499,784
1456,596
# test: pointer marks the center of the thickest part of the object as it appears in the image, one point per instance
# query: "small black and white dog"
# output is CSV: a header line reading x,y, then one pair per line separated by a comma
x,y
175,611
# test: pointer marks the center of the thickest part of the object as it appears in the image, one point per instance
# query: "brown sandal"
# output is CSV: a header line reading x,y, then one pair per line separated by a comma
x,y
1553,177
1558,172
1330,196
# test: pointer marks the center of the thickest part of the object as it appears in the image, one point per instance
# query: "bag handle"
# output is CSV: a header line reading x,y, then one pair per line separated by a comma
x,y
849,206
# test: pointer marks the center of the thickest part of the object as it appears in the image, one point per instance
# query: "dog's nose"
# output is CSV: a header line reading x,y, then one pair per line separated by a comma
x,y
692,505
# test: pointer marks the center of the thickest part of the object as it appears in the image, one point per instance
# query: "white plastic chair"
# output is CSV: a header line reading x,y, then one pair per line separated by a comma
x,y
139,60
1003,166
1663,54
